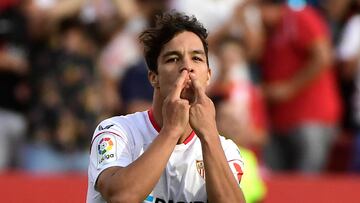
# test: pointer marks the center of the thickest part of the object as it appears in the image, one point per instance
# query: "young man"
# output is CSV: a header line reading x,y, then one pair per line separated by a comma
x,y
173,152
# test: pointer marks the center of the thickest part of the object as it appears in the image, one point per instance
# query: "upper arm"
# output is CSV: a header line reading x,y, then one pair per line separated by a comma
x,y
104,184
110,150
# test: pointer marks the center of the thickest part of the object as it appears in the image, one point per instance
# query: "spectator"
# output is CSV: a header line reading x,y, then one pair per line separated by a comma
x,y
135,89
240,112
14,88
65,107
349,55
122,50
300,87
244,104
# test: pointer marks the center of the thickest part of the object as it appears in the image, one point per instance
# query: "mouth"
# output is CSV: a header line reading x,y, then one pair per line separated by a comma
x,y
188,93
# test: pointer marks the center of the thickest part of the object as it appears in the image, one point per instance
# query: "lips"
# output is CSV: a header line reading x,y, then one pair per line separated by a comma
x,y
188,93
188,83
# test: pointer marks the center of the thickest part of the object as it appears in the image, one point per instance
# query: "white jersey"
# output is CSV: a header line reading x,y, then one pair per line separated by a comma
x,y
119,141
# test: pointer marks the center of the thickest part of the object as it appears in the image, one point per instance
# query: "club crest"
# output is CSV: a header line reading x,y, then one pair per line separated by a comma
x,y
200,168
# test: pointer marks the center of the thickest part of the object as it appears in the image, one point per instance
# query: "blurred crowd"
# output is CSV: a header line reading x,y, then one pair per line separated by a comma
x,y
285,78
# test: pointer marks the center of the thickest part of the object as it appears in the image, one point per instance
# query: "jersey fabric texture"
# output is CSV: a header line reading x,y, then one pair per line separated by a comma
x,y
118,141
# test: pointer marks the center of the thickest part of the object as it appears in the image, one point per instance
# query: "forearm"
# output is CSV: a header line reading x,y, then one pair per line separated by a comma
x,y
134,182
221,185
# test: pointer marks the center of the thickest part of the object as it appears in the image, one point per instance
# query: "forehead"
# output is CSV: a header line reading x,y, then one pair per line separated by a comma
x,y
183,41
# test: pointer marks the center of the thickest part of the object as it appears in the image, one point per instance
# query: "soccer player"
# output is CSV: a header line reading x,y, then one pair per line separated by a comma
x,y
172,152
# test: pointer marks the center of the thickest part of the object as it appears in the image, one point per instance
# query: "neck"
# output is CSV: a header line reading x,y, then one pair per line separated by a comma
x,y
157,113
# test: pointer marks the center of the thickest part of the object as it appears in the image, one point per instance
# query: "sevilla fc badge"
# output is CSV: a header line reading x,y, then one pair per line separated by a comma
x,y
200,168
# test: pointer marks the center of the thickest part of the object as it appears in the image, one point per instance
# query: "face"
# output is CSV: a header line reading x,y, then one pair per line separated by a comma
x,y
230,54
184,52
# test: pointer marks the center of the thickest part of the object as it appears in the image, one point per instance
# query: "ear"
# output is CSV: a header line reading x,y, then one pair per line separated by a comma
x,y
154,79
208,76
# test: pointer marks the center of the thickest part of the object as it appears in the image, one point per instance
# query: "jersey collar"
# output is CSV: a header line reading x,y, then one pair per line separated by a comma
x,y
157,127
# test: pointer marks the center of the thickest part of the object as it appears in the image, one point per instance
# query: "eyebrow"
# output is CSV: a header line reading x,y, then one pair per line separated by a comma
x,y
178,53
201,52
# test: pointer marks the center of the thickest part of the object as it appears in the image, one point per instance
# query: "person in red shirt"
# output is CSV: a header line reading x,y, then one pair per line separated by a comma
x,y
300,87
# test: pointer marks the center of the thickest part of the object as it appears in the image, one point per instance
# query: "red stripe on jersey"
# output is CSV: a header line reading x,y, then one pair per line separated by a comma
x,y
157,127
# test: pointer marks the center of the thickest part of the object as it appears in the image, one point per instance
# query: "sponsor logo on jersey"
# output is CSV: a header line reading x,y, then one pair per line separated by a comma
x,y
106,149
106,127
200,168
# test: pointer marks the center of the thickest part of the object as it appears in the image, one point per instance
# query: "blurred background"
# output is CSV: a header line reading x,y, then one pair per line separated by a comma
x,y
286,85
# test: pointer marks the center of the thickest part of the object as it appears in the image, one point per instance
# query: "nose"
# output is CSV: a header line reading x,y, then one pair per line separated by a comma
x,y
186,65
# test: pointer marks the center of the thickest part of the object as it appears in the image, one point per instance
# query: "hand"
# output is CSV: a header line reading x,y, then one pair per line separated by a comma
x,y
176,110
202,111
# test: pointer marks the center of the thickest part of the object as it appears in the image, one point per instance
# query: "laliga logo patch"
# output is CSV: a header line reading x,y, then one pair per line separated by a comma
x,y
105,144
106,150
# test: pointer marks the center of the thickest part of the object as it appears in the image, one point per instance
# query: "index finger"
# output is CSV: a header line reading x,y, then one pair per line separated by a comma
x,y
179,85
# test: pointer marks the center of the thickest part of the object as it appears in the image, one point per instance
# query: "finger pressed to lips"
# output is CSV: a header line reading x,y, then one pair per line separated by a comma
x,y
179,84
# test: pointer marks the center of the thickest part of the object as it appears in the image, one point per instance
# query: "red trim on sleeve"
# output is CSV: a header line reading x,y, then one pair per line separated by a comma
x,y
239,171
157,127
237,167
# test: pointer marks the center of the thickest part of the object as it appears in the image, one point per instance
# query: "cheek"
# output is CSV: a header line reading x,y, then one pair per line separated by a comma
x,y
166,82
167,79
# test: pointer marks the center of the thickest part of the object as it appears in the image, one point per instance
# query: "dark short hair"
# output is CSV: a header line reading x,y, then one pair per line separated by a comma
x,y
167,26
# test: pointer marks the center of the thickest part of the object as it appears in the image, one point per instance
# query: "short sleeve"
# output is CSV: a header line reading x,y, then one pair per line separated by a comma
x,y
311,27
234,158
109,147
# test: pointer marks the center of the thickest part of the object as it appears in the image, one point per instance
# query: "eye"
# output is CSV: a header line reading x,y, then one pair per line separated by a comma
x,y
172,60
196,58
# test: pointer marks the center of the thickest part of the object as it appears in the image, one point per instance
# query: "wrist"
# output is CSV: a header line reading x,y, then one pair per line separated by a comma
x,y
171,132
207,134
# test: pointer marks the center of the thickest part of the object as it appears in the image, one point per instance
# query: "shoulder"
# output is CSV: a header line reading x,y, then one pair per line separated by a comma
x,y
310,16
227,142
120,125
228,145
